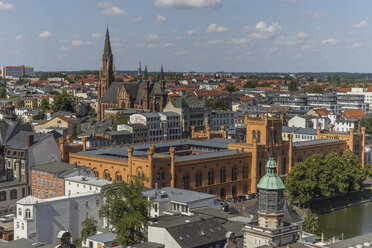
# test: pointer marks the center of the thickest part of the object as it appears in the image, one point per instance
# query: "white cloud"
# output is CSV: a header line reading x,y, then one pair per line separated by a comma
x,y
199,57
262,31
44,35
319,28
152,37
20,37
213,42
168,45
190,32
6,6
64,48
138,19
174,31
330,41
78,43
179,38
64,41
104,5
301,35
214,29
362,24
182,52
272,50
161,19
357,44
96,35
315,15
114,11
189,4
238,41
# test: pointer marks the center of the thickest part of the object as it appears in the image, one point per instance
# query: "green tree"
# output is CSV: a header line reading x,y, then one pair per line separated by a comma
x,y
91,112
62,102
251,84
314,88
367,123
44,105
126,210
292,86
119,120
119,80
311,222
39,116
230,88
89,228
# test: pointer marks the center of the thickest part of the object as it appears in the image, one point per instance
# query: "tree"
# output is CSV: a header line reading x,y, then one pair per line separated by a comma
x,y
311,222
39,116
230,88
367,123
314,88
89,228
62,102
292,86
91,112
44,105
251,84
126,210
119,120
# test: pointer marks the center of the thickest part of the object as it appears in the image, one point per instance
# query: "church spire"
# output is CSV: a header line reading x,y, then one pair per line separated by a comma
x,y
145,75
139,72
107,49
161,73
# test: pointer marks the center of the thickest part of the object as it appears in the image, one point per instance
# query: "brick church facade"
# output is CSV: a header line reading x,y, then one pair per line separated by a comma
x,y
142,94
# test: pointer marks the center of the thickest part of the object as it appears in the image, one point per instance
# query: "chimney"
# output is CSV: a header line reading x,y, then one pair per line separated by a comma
x,y
30,140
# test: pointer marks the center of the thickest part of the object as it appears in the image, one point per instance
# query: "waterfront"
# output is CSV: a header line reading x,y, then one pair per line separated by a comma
x,y
351,221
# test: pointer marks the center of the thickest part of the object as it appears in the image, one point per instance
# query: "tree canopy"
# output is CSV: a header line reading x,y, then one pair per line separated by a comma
x,y
367,123
314,88
119,120
44,105
62,102
126,210
89,228
311,222
230,88
328,175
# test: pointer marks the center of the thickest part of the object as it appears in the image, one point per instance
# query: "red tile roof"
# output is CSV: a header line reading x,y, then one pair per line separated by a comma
x,y
353,114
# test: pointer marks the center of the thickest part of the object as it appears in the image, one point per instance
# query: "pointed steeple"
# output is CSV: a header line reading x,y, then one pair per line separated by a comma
x,y
139,72
107,50
161,73
145,75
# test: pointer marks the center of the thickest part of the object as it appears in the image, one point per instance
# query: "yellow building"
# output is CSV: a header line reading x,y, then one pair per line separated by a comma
x,y
210,164
30,103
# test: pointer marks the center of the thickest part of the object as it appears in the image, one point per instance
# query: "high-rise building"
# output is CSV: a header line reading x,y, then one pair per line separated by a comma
x,y
17,71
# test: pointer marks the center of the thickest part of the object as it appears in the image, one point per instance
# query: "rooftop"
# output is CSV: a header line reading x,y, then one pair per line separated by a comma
x,y
58,168
94,181
103,237
314,142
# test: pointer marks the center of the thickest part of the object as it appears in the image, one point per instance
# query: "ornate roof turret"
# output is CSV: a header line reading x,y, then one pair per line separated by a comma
x,y
271,181
107,50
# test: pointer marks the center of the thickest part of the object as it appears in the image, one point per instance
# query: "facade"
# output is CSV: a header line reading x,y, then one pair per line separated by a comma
x,y
219,118
342,125
152,121
17,71
10,193
142,94
299,134
213,165
106,239
192,112
352,101
48,180
171,125
84,184
138,130
42,219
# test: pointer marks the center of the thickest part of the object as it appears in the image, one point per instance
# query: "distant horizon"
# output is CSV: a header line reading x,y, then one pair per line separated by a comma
x,y
282,36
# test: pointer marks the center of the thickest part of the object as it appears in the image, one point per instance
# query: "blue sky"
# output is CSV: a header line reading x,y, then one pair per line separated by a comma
x,y
189,35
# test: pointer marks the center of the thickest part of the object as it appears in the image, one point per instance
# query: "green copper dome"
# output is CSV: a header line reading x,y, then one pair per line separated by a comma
x,y
271,181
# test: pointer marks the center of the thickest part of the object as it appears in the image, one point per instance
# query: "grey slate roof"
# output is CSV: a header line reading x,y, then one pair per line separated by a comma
x,y
112,92
19,141
147,245
299,130
313,142
21,243
199,233
352,242
8,129
58,168
103,237
289,215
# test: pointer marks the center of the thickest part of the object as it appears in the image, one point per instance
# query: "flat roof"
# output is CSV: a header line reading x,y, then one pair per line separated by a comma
x,y
314,142
58,168
94,181
352,242
103,237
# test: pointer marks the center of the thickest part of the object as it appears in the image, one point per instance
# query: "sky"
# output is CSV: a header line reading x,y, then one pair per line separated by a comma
x,y
189,35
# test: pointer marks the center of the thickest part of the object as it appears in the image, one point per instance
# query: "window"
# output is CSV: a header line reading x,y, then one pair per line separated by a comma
x,y
87,204
210,178
28,214
19,211
97,202
17,225
2,196
234,174
245,172
222,175
198,180
13,194
23,226
258,136
185,181
34,181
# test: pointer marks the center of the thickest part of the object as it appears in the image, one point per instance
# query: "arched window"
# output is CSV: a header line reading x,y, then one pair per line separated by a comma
x,y
28,214
284,166
198,179
210,177
254,134
19,211
258,136
259,169
274,137
185,181
234,174
233,191
13,194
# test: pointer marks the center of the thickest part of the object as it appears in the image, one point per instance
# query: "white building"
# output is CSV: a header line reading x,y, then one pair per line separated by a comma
x,y
152,121
106,239
174,201
220,118
42,219
170,122
362,91
299,134
342,125
82,184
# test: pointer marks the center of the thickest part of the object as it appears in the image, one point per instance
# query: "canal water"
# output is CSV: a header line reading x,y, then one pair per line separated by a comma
x,y
351,221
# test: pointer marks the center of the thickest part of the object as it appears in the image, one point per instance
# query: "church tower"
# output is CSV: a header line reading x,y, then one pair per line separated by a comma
x,y
107,75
